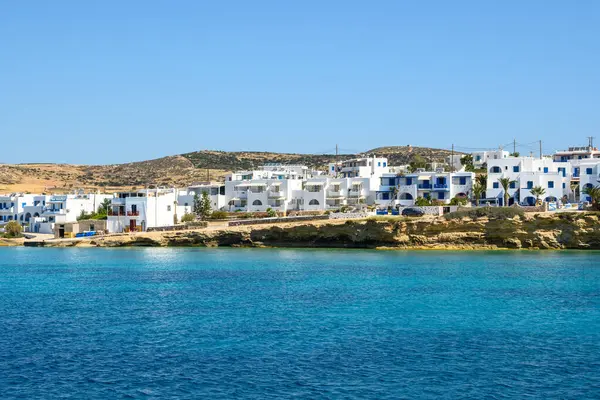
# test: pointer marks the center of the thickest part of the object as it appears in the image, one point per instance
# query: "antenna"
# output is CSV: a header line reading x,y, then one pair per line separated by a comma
x,y
591,141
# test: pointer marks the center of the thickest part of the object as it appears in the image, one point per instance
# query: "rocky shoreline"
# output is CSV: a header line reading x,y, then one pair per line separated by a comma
x,y
533,231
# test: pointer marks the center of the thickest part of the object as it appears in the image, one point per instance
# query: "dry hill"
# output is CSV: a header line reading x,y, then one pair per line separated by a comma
x,y
179,170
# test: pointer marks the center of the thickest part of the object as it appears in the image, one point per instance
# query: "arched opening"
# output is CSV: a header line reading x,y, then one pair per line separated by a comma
x,y
36,215
461,195
257,203
313,202
27,217
549,199
406,196
495,170
529,200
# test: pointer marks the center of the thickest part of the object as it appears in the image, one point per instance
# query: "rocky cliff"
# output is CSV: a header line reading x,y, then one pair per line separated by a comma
x,y
537,231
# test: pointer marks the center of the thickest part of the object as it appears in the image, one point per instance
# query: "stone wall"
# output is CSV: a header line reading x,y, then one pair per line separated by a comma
x,y
278,220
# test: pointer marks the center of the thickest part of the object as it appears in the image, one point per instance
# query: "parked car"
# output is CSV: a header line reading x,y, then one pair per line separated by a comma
x,y
413,212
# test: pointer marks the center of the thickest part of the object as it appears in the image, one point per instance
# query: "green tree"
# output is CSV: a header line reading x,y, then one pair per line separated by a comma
x,y
417,162
538,192
478,191
12,229
467,162
594,193
202,206
505,183
104,206
482,180
196,208
515,154
421,202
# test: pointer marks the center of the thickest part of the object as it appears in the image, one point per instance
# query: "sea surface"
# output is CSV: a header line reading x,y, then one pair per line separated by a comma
x,y
266,324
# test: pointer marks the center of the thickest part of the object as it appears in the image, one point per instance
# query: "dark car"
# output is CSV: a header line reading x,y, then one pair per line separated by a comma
x,y
413,212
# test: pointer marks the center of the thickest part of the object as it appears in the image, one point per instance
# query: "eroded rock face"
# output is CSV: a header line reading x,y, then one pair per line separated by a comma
x,y
557,231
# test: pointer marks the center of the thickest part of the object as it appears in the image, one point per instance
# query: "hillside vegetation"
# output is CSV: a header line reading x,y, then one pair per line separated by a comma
x,y
179,170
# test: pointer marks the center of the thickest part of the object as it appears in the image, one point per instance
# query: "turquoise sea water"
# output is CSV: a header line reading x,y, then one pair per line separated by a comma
x,y
263,323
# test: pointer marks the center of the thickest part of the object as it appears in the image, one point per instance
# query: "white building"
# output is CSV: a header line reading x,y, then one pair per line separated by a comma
x,y
137,211
364,167
65,208
576,153
215,191
20,207
525,173
439,185
481,158
586,172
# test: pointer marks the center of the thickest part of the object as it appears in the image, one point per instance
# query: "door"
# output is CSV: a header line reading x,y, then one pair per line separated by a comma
x,y
61,232
132,225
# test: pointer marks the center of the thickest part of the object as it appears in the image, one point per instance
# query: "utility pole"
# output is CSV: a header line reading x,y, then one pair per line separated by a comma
x,y
514,146
540,149
452,159
208,175
591,141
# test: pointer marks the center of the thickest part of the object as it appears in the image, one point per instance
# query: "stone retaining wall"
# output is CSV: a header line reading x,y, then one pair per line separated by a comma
x,y
277,220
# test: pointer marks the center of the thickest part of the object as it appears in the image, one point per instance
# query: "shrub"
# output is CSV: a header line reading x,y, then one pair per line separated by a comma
x,y
271,213
188,217
12,229
489,212
218,215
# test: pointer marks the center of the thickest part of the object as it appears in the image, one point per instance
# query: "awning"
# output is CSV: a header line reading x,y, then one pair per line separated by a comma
x,y
424,178
315,183
357,182
248,184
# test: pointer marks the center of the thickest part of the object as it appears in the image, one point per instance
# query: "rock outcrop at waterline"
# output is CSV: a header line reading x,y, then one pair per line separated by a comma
x,y
538,231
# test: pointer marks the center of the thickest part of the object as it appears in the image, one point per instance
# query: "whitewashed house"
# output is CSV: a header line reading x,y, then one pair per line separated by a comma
x,y
274,186
363,167
435,185
60,209
525,173
215,191
576,153
15,206
137,211
586,172
481,158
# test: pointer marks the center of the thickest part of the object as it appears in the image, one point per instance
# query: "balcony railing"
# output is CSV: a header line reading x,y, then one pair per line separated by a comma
x,y
424,186
440,186
112,213
133,213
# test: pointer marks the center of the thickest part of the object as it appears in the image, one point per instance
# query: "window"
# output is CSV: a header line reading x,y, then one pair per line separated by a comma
x,y
513,185
168,208
564,185
379,163
516,168
313,202
409,181
257,203
495,170
496,185
385,196
462,180
545,170
440,195
384,164
550,184
589,171
529,184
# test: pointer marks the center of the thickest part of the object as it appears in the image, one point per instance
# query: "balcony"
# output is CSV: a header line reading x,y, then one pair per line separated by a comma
x,y
133,213
275,195
113,213
440,186
356,193
334,194
426,186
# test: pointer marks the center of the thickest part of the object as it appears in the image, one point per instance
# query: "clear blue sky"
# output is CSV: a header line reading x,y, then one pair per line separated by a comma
x,y
118,81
